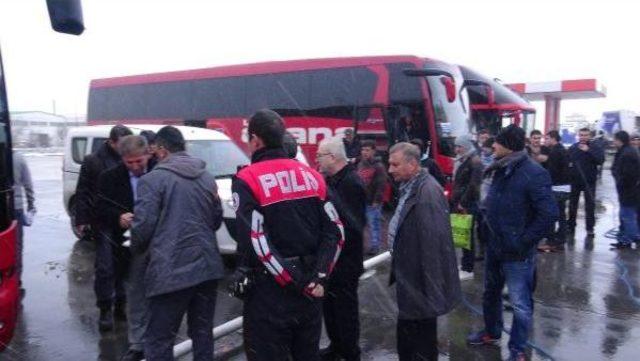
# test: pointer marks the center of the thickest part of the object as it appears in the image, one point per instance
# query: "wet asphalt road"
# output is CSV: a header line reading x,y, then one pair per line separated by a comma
x,y
587,304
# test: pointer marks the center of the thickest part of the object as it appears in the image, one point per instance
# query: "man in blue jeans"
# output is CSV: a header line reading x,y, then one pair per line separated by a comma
x,y
516,180
626,172
373,175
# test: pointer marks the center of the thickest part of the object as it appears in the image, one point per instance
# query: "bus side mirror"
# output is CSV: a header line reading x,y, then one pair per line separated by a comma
x,y
445,77
66,16
450,87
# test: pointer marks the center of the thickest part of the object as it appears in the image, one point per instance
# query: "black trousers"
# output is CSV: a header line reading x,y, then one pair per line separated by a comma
x,y
560,232
418,339
341,316
280,324
111,265
590,204
165,316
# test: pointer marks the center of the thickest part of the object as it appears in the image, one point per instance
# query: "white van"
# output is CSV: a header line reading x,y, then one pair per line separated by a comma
x,y
221,154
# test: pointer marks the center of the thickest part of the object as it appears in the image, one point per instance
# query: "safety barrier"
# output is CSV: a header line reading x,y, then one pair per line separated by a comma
x,y
234,325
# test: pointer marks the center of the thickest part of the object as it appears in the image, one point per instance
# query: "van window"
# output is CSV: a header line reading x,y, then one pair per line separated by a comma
x,y
222,156
97,142
78,149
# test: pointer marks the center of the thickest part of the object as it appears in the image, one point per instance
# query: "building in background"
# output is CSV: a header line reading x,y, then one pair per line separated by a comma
x,y
36,129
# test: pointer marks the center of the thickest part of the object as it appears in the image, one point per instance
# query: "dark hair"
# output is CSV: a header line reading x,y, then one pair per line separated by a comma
x,y
488,143
119,131
368,143
290,145
171,139
268,126
511,137
535,132
149,135
419,143
622,136
554,134
585,130
483,131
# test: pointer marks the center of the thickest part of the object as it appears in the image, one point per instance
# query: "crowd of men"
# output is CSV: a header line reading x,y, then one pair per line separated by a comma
x,y
154,210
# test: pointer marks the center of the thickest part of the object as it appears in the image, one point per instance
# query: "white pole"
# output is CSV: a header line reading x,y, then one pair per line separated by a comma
x,y
234,325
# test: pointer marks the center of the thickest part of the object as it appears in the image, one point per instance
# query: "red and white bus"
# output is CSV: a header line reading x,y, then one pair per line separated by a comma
x,y
385,98
494,106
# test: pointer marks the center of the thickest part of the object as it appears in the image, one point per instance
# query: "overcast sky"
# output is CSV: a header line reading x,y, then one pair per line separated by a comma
x,y
516,41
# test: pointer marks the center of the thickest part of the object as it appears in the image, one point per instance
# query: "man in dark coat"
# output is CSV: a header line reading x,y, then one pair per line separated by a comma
x,y
466,193
177,213
584,157
424,264
346,191
626,172
557,164
117,193
104,158
520,210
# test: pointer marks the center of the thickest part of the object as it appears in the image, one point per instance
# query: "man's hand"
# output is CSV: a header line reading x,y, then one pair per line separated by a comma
x,y
125,220
82,228
583,147
314,290
542,158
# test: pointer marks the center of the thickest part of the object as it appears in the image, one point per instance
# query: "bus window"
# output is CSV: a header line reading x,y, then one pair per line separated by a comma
x,y
450,117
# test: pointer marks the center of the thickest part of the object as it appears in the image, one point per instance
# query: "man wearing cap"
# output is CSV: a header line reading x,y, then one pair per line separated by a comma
x,y
289,239
520,210
467,177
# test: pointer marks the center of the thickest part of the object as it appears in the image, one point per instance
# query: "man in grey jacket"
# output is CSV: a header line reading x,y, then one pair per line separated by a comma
x,y
23,191
177,213
424,261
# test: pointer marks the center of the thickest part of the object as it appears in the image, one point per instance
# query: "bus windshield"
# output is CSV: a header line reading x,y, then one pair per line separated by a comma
x,y
222,156
452,118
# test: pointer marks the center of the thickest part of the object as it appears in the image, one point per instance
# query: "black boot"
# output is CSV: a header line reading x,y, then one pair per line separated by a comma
x,y
328,354
106,319
120,311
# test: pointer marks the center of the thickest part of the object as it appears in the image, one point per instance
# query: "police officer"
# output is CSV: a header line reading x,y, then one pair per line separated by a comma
x,y
289,237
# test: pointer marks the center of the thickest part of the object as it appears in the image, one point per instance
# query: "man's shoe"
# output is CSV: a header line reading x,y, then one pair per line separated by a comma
x,y
620,245
133,355
545,248
482,338
518,356
105,323
464,275
120,311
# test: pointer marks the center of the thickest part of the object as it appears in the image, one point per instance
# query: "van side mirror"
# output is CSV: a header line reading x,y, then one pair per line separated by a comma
x,y
66,16
446,78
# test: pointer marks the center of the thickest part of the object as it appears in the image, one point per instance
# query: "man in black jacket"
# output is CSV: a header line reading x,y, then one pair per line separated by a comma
x,y
104,158
557,163
117,193
289,238
626,172
584,157
340,306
